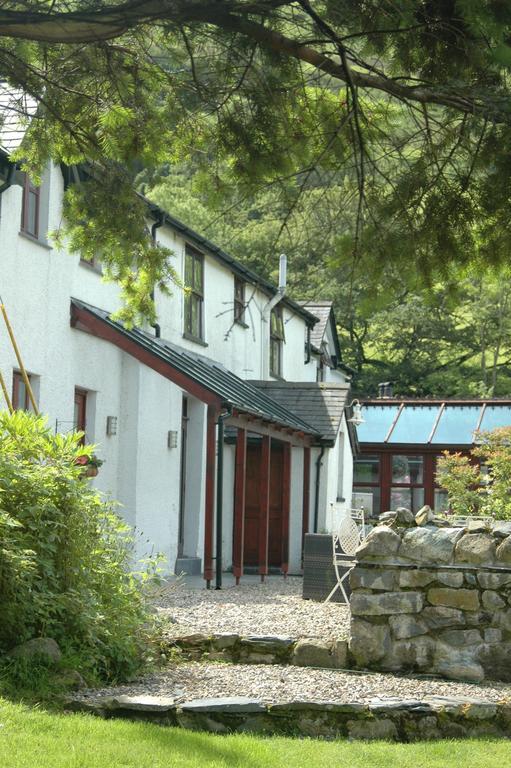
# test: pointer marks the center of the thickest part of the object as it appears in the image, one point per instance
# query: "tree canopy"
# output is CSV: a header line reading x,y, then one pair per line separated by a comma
x,y
402,108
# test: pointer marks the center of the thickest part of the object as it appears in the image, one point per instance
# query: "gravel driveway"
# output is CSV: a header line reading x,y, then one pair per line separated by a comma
x,y
273,608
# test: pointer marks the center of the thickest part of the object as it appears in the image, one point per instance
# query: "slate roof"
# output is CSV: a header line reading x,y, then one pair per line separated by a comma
x,y
321,310
320,404
240,394
14,105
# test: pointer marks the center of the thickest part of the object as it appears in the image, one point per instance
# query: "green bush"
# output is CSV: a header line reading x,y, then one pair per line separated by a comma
x,y
65,555
480,484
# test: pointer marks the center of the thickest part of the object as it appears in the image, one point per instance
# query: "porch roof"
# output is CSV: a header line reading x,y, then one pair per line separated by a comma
x,y
202,377
321,404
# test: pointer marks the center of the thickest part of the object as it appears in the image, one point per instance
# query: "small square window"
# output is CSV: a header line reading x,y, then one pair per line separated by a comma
x,y
276,341
30,208
20,396
194,298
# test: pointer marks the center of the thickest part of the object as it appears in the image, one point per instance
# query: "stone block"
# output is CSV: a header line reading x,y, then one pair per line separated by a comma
x,y
504,551
430,544
492,601
425,515
225,640
229,704
382,542
415,579
457,663
313,653
372,578
464,599
502,619
470,579
475,549
340,654
414,653
502,529
450,578
372,730
368,642
442,616
496,661
461,637
406,625
492,635
387,603
38,647
489,580
156,704
404,517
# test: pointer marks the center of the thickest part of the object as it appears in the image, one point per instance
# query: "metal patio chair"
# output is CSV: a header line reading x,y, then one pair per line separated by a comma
x,y
344,545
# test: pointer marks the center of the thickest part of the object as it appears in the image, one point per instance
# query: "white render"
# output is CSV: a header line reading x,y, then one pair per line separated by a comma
x,y
140,470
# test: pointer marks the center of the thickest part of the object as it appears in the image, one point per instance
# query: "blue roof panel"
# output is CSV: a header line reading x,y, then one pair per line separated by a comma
x,y
414,424
457,424
496,416
378,420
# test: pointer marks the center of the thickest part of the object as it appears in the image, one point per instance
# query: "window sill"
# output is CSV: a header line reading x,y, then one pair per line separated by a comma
x,y
276,376
35,240
241,323
340,499
195,339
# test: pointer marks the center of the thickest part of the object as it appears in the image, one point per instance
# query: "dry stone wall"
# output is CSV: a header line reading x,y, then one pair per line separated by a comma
x,y
434,600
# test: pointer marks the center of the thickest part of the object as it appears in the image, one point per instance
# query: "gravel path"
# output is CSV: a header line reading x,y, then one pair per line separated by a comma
x,y
273,608
280,684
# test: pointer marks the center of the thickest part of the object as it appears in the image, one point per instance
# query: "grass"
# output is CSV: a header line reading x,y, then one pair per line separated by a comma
x,y
33,738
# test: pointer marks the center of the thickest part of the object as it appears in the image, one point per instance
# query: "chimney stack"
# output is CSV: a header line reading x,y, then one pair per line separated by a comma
x,y
385,390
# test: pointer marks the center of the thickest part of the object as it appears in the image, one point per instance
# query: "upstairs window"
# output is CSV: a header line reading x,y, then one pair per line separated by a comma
x,y
276,340
30,208
194,298
20,397
239,301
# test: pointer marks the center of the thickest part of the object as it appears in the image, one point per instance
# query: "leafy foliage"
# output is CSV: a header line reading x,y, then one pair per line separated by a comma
x,y
65,556
480,487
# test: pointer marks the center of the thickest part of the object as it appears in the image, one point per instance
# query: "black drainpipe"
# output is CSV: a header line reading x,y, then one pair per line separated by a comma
x,y
157,224
308,345
316,497
219,492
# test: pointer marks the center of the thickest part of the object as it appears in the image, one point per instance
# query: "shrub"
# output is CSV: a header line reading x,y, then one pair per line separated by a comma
x,y
473,491
65,555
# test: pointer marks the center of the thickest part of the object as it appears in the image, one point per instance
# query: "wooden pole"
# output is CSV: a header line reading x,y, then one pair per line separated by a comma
x,y
306,493
20,361
239,503
6,394
264,506
286,504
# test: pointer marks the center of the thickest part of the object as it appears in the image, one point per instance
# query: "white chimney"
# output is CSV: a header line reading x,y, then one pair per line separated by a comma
x,y
282,272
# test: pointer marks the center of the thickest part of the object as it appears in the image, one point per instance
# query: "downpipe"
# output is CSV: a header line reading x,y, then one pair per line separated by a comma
x,y
220,494
319,464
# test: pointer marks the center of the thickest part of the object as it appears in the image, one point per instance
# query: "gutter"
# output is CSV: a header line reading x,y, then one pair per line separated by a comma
x,y
219,492
157,224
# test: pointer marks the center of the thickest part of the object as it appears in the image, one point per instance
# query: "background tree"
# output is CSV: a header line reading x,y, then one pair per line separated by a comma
x,y
404,106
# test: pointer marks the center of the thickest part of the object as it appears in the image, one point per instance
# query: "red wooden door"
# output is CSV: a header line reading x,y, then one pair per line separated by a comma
x,y
252,506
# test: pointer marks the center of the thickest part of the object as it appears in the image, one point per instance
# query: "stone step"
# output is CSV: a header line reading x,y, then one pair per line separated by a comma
x,y
393,719
259,649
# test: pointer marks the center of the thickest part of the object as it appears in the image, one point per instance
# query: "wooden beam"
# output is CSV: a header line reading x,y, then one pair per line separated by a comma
x,y
286,503
84,320
262,428
306,494
209,506
264,506
239,503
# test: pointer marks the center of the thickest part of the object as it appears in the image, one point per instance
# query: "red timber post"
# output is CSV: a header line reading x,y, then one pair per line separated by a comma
x,y
264,505
286,503
209,516
306,493
239,503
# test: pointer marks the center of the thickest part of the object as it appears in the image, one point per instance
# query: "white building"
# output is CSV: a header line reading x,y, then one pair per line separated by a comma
x,y
224,387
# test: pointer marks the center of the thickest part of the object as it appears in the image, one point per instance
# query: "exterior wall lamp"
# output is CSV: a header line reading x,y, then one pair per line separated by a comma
x,y
111,425
357,417
172,438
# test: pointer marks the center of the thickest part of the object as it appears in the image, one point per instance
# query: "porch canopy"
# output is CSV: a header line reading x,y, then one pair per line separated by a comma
x,y
230,401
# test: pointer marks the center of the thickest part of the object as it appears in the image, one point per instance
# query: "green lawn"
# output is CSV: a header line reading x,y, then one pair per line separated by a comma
x,y
32,738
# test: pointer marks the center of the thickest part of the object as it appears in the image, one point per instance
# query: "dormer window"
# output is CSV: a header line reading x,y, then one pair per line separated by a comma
x,y
239,300
276,340
194,298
